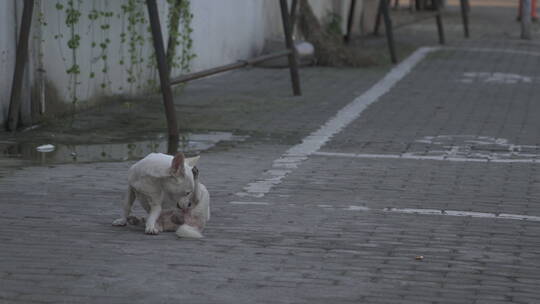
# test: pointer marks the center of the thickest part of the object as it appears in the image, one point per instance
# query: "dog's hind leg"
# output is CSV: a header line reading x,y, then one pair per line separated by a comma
x,y
128,203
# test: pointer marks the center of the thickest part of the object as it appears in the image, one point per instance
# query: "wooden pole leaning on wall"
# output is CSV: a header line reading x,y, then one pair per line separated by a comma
x,y
388,28
465,16
377,24
438,20
525,19
228,67
293,58
290,52
350,21
163,69
21,59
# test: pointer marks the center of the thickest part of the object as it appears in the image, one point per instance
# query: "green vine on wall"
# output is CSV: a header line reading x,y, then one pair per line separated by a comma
x,y
100,17
93,17
134,10
72,17
132,39
105,27
181,36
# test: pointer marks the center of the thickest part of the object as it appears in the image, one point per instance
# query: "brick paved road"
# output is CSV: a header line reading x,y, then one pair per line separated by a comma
x,y
322,235
482,109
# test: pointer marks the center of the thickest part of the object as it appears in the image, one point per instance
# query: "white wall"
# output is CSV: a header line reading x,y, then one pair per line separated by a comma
x,y
57,57
224,31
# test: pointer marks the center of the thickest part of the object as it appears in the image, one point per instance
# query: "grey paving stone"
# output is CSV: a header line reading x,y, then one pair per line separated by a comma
x,y
308,245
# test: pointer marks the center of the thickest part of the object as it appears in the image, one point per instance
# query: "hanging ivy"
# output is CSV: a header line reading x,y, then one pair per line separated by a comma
x,y
136,18
133,18
180,34
104,27
72,16
93,17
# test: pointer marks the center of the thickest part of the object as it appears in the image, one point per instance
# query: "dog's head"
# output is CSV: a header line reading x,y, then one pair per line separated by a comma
x,y
182,172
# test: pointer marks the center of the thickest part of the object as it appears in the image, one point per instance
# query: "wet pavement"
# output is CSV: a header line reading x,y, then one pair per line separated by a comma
x,y
190,144
418,184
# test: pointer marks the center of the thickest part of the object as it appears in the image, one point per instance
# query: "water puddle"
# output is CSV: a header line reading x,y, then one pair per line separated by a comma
x,y
191,143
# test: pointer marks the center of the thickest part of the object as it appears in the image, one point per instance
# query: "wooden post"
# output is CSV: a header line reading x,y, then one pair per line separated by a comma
x,y
377,20
293,63
350,21
525,19
383,10
20,62
465,17
163,69
438,18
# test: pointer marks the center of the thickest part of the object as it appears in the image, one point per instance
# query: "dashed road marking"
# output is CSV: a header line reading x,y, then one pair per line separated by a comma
x,y
506,216
492,50
413,156
293,157
420,211
249,203
311,144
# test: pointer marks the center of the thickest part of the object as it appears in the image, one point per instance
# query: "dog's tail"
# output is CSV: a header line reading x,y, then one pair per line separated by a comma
x,y
187,231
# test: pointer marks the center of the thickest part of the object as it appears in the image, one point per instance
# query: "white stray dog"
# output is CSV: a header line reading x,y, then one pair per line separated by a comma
x,y
158,180
188,223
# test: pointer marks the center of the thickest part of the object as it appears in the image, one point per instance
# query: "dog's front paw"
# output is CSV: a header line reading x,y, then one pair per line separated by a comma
x,y
151,230
120,222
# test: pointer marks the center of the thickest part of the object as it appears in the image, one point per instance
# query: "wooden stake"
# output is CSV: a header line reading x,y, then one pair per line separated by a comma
x,y
20,62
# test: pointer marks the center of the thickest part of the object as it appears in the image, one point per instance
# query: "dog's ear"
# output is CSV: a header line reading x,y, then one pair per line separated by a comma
x,y
177,165
192,161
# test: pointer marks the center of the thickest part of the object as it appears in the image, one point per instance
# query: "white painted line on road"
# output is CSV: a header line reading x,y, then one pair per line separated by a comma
x,y
492,50
458,213
357,208
419,211
428,157
249,203
325,206
505,216
293,157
